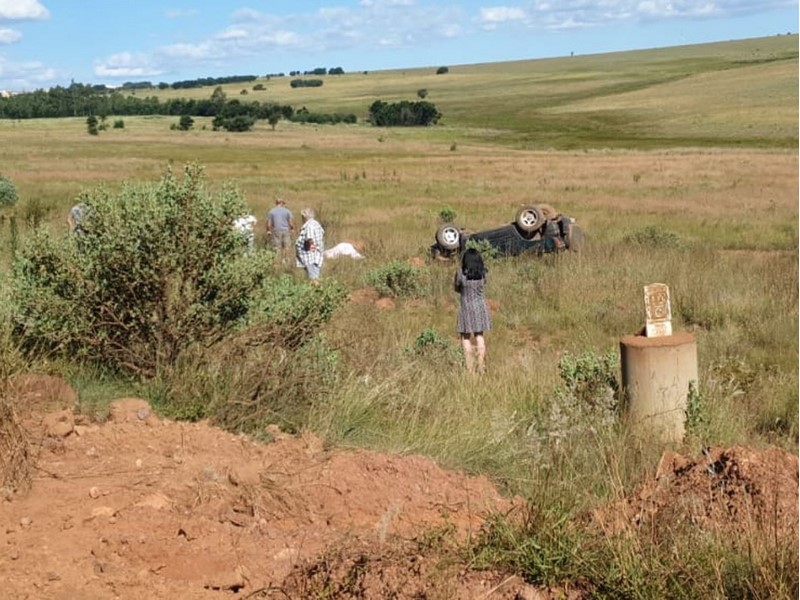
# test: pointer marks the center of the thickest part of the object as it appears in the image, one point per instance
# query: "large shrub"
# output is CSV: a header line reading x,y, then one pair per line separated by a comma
x,y
158,267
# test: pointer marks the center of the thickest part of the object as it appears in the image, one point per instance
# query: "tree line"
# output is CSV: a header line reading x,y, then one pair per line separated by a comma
x,y
80,100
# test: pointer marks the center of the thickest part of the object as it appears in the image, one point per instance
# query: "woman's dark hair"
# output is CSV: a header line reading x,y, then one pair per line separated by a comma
x,y
472,264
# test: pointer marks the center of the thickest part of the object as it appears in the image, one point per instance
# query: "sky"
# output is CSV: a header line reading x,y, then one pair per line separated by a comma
x,y
45,43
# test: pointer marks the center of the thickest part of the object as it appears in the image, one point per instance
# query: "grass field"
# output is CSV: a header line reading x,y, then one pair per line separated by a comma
x,y
681,164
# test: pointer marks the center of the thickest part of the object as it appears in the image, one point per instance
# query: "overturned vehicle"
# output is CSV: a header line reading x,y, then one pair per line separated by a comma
x,y
537,229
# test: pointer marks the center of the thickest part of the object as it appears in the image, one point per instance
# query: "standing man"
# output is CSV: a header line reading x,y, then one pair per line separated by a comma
x,y
310,245
280,226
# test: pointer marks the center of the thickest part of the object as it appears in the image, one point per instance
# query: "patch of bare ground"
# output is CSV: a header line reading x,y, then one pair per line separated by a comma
x,y
140,507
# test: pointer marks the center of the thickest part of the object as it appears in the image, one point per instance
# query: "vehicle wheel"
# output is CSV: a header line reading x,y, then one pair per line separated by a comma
x,y
448,236
529,218
574,238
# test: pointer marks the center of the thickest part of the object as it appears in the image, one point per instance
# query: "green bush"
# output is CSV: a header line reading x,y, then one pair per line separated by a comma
x,y
92,125
447,214
398,279
293,313
588,400
488,252
185,123
8,192
158,268
654,236
435,349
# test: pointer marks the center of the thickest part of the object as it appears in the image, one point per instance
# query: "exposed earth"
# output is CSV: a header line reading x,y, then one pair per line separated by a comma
x,y
141,507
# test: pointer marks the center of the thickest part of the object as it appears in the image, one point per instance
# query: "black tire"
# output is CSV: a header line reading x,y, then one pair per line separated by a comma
x,y
529,218
574,239
448,236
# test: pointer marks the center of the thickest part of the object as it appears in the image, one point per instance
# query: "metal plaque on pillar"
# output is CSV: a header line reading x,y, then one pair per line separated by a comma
x,y
657,310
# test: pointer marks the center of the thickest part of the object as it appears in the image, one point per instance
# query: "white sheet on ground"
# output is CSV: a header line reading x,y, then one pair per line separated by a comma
x,y
342,249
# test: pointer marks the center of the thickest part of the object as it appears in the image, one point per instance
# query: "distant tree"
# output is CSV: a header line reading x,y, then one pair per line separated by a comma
x,y
185,123
218,95
258,87
119,124
91,125
235,123
296,83
336,71
422,93
403,114
442,70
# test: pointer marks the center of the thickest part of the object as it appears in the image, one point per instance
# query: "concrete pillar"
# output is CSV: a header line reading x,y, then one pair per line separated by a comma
x,y
656,373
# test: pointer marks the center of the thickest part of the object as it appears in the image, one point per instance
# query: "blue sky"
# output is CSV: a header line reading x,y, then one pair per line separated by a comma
x,y
44,43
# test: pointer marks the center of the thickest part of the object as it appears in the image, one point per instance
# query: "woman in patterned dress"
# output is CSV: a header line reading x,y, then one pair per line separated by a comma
x,y
473,312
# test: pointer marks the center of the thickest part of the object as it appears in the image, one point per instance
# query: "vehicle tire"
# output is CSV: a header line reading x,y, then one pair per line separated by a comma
x,y
529,218
574,238
448,236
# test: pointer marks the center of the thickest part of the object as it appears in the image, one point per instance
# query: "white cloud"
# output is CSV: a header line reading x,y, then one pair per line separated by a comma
x,y
179,13
9,36
26,76
190,51
572,14
499,14
19,10
493,17
233,33
126,64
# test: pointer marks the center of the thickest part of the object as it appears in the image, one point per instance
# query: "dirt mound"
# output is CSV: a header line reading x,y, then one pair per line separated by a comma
x,y
403,571
139,507
734,490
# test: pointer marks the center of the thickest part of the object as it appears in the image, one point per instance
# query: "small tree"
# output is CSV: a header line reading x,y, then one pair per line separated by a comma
x,y
422,93
442,70
185,123
92,125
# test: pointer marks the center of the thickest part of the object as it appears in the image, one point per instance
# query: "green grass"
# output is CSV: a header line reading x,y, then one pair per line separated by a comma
x,y
672,97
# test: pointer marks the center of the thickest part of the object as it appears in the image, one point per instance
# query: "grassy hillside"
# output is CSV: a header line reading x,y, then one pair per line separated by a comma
x,y
728,93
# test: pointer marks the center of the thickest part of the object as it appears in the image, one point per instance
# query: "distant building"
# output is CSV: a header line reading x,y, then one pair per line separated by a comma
x,y
5,94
